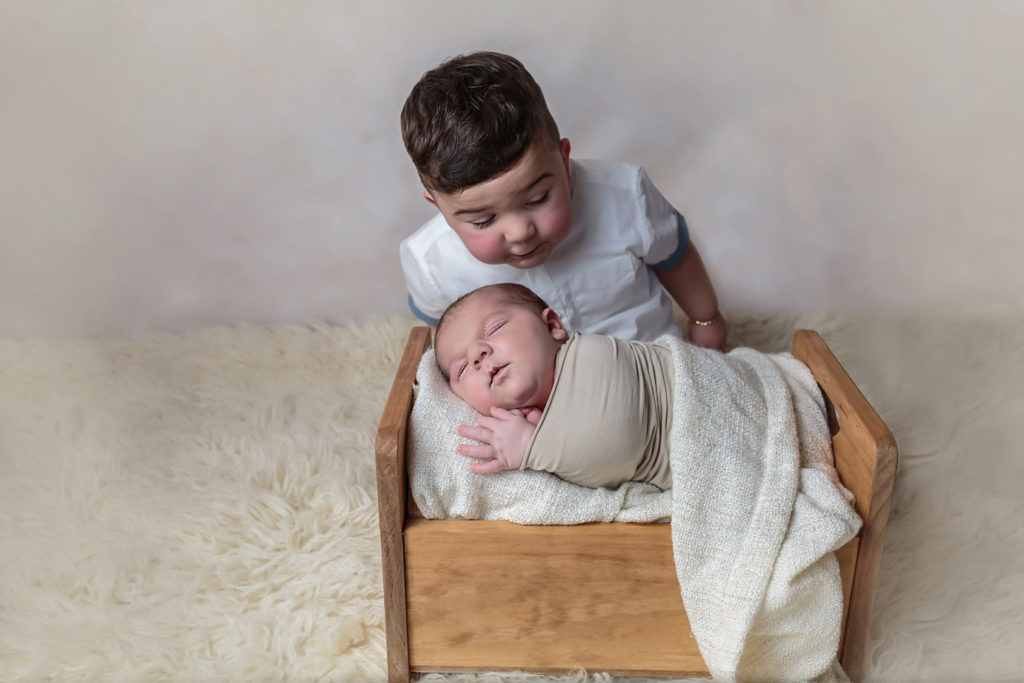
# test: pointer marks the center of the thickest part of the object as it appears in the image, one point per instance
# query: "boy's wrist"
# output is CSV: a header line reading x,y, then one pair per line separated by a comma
x,y
717,317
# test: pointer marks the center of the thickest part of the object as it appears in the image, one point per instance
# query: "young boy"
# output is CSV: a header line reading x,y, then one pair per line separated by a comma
x,y
596,239
608,402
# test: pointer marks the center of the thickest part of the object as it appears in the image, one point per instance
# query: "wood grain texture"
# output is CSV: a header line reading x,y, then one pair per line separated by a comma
x,y
599,596
865,453
500,596
391,494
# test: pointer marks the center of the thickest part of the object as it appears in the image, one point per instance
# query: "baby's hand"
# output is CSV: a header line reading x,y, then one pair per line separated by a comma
x,y
531,414
504,436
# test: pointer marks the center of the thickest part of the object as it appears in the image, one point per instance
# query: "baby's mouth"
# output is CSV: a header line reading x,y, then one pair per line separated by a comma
x,y
497,371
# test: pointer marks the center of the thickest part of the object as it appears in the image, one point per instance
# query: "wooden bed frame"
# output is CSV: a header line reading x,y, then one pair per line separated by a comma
x,y
467,595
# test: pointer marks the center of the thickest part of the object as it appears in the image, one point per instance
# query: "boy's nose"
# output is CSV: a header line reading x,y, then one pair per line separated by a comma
x,y
520,230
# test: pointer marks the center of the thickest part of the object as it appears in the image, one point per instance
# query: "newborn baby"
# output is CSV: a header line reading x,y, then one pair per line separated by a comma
x,y
592,409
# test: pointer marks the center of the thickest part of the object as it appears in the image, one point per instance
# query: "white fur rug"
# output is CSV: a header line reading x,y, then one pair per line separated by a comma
x,y
202,506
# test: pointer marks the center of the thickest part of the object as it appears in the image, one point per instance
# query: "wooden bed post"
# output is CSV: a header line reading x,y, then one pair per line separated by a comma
x,y
865,453
391,496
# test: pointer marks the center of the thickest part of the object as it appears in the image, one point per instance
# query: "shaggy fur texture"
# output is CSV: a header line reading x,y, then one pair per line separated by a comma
x,y
202,506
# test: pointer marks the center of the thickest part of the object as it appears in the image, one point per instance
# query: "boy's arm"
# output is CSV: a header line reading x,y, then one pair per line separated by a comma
x,y
425,298
688,283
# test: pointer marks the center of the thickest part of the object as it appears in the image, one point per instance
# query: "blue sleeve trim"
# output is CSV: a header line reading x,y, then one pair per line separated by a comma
x,y
682,245
421,315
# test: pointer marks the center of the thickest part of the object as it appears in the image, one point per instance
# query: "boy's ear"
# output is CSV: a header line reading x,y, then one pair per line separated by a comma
x,y
429,197
554,323
564,147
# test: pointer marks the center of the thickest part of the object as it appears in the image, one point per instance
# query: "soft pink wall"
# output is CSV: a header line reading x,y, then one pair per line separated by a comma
x,y
170,165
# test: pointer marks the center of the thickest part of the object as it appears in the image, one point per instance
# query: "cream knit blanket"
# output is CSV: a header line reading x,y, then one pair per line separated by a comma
x,y
756,515
754,508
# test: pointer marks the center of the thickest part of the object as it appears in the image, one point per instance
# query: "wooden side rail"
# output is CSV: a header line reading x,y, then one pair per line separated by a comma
x,y
391,495
865,453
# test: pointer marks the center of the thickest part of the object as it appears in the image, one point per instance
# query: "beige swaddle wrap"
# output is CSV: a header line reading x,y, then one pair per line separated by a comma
x,y
609,415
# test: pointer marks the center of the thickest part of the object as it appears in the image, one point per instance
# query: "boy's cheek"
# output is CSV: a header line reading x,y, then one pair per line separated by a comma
x,y
485,249
482,246
560,222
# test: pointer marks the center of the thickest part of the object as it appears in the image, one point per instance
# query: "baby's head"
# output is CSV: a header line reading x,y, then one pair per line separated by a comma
x,y
487,150
497,347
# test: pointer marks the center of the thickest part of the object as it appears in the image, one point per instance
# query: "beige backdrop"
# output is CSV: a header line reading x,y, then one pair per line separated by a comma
x,y
172,165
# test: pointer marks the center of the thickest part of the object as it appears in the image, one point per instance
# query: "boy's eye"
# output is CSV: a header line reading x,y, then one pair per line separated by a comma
x,y
482,223
461,369
537,201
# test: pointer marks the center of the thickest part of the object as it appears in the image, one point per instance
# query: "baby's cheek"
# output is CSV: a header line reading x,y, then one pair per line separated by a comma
x,y
519,393
473,394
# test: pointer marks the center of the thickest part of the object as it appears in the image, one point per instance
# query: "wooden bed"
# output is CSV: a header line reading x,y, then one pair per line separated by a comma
x,y
465,595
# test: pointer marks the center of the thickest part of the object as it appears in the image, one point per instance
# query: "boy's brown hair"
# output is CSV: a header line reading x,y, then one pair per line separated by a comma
x,y
473,117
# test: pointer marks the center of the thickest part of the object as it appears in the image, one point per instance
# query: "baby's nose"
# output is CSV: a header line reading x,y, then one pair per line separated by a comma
x,y
480,355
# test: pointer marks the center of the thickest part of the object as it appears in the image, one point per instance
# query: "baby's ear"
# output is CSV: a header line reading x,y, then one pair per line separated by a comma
x,y
554,323
429,197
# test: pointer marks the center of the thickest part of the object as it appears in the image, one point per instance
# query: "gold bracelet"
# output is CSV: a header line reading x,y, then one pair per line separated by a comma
x,y
705,323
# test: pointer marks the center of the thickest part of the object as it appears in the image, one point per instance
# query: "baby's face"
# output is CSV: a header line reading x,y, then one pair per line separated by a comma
x,y
499,354
519,217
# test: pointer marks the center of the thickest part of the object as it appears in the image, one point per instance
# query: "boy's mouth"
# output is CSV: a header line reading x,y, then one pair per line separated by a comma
x,y
529,254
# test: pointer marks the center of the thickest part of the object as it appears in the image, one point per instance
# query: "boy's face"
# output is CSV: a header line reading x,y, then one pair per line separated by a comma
x,y
518,217
499,354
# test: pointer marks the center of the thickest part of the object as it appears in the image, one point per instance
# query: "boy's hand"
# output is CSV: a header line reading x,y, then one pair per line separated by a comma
x,y
709,336
504,436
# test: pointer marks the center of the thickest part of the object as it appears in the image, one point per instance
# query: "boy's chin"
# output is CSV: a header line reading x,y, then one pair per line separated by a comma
x,y
531,262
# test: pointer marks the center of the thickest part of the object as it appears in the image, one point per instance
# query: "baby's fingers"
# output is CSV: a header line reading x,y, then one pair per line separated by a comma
x,y
489,467
475,433
471,451
488,423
